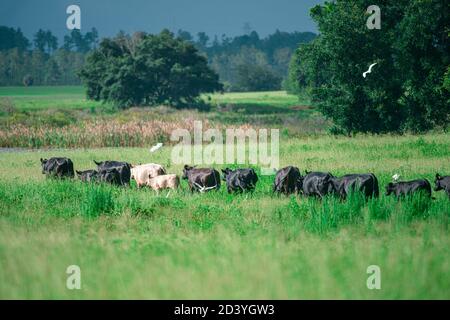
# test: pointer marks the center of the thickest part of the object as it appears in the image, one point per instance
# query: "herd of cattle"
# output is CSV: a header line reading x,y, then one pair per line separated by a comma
x,y
287,180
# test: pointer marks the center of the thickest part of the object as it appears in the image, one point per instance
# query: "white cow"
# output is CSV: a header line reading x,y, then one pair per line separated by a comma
x,y
167,181
142,173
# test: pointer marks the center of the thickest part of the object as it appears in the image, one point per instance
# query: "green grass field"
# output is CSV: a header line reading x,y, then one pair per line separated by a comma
x,y
74,97
132,243
44,98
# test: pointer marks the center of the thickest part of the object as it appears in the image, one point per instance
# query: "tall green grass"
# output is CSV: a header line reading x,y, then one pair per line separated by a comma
x,y
68,198
134,243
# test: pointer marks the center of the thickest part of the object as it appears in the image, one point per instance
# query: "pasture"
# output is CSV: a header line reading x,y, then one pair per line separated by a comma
x,y
134,243
137,243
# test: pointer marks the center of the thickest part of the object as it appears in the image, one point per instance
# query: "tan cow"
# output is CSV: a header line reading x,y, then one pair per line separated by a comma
x,y
167,181
142,173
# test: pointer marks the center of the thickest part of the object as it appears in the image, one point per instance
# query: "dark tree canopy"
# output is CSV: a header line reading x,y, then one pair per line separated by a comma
x,y
148,70
11,38
78,42
256,78
45,41
406,89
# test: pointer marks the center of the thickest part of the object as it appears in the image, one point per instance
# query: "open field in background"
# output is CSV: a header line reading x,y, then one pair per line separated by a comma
x,y
61,117
55,97
43,98
134,243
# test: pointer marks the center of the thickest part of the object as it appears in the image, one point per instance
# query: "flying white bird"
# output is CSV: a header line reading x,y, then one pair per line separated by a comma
x,y
396,177
369,71
156,147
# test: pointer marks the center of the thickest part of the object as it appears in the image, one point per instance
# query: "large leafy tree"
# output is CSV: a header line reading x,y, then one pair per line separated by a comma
x,y
147,70
404,90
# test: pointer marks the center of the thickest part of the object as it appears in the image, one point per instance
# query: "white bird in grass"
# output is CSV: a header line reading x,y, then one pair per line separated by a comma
x,y
396,177
203,189
370,70
156,147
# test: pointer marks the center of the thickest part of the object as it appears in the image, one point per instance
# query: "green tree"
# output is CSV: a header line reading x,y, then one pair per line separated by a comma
x,y
78,42
11,38
404,90
162,69
45,41
256,78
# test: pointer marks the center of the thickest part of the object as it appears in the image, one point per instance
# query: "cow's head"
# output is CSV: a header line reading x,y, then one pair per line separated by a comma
x,y
390,188
226,172
43,163
438,183
186,170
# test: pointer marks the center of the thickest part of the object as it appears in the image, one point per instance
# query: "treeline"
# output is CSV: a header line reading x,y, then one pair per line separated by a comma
x,y
43,61
409,87
244,63
248,62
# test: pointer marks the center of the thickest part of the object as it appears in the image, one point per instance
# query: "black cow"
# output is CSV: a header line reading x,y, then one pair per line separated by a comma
x,y
288,180
365,183
88,175
317,184
201,179
124,169
442,183
57,167
240,180
404,188
111,176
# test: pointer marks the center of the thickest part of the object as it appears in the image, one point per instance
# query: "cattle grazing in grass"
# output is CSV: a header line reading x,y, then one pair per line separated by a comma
x,y
442,183
201,179
240,180
367,184
111,176
88,175
57,167
317,184
142,173
166,181
124,169
288,180
407,188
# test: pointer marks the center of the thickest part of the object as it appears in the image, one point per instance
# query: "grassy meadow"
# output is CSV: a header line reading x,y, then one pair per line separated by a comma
x,y
137,243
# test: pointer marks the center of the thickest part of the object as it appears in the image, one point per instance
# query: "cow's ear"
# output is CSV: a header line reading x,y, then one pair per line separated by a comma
x,y
78,172
307,172
438,176
97,163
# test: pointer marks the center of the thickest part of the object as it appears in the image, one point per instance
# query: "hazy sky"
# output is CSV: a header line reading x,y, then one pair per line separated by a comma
x,y
211,16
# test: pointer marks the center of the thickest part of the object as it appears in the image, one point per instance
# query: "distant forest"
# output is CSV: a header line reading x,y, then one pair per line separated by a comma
x,y
244,63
